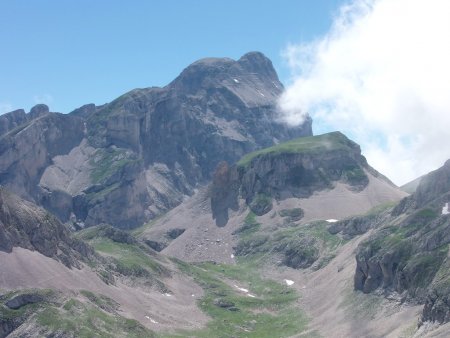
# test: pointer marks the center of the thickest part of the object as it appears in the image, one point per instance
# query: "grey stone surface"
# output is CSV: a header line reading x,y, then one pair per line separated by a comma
x,y
137,157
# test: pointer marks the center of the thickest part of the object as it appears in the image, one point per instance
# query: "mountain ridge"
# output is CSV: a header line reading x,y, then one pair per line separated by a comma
x,y
150,147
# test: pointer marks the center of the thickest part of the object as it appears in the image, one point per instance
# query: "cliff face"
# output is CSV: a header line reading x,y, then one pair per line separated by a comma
x,y
132,159
299,168
23,224
295,169
408,252
217,109
27,150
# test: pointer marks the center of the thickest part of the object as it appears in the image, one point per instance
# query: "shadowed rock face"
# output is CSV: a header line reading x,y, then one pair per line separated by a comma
x,y
216,109
294,169
27,150
408,253
25,225
128,161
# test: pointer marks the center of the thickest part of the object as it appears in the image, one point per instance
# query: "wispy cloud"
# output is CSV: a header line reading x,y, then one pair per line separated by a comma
x,y
5,107
382,75
43,98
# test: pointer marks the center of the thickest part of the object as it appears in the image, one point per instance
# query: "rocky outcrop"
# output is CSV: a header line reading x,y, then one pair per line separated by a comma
x,y
18,119
25,225
437,306
23,299
224,192
433,188
162,241
405,256
114,234
296,168
408,252
217,109
27,150
12,120
355,226
139,155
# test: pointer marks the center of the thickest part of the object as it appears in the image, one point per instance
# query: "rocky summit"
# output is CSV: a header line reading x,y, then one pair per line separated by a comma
x,y
130,160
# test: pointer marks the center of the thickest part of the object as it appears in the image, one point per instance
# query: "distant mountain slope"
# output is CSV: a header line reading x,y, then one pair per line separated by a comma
x,y
132,159
411,187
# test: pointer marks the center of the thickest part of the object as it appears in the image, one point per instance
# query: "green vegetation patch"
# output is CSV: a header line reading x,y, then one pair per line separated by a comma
x,y
261,204
250,226
103,302
414,249
98,196
143,228
130,259
107,162
300,246
355,175
400,238
309,145
269,309
292,215
45,295
88,320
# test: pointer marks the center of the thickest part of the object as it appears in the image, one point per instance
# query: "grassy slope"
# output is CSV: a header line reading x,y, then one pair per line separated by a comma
x,y
308,243
87,318
84,315
273,309
311,144
130,259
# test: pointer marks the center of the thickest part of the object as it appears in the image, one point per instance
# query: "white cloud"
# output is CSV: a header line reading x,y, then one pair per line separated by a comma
x,y
5,107
382,76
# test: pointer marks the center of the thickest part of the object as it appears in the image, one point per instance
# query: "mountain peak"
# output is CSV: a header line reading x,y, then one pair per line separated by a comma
x,y
39,109
253,67
257,62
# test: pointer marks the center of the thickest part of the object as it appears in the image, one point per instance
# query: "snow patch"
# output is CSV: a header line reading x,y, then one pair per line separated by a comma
x,y
232,256
236,80
289,282
445,210
151,319
241,289
167,295
332,220
250,295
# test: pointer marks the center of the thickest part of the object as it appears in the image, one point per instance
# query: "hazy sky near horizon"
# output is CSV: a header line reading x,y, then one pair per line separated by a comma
x,y
377,70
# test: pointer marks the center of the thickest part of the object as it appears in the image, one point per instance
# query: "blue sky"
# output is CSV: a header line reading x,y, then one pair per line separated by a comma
x,y
69,53
376,70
